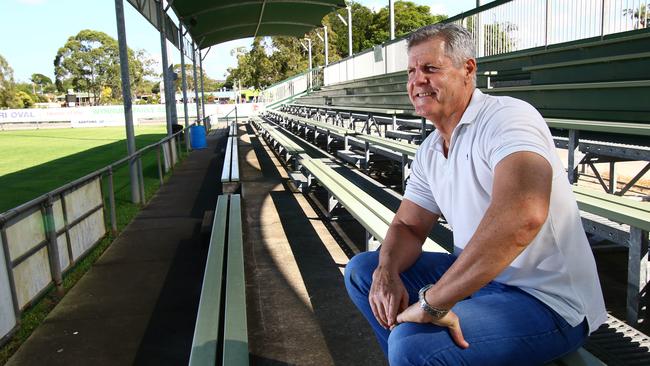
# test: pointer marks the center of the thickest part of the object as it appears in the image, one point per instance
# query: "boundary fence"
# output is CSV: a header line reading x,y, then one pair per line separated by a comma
x,y
45,237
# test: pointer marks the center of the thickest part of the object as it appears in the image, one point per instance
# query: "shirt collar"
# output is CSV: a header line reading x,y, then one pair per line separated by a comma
x,y
475,104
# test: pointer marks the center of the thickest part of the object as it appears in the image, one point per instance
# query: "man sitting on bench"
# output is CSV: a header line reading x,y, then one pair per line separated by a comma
x,y
521,287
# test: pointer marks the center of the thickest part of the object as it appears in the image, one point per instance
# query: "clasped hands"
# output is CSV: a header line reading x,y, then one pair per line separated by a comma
x,y
389,303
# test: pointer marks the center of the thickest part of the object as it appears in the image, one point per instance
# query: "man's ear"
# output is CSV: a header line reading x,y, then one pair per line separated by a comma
x,y
470,68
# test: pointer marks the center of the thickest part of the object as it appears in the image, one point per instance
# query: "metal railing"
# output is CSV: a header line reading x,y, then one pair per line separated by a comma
x,y
227,116
504,26
45,237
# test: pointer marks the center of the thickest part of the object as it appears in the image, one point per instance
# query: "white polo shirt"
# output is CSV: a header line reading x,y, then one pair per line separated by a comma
x,y
557,267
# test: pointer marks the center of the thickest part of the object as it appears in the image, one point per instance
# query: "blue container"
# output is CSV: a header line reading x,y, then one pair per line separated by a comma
x,y
197,137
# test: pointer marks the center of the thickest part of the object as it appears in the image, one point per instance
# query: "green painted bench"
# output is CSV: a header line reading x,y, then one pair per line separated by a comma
x,y
279,141
630,213
370,213
220,334
331,131
614,151
230,171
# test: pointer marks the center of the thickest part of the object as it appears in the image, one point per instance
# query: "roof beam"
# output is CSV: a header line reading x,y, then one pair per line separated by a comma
x,y
240,25
259,21
256,2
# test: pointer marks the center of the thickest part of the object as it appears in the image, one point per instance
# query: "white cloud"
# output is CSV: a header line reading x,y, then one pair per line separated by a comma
x,y
32,2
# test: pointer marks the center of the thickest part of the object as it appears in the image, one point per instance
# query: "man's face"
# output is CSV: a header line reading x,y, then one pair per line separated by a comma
x,y
436,87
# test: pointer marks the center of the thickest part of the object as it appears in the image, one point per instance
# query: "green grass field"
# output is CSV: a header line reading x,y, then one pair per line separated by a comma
x,y
35,162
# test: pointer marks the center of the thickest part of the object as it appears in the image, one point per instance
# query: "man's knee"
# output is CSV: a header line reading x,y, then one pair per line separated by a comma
x,y
410,344
359,269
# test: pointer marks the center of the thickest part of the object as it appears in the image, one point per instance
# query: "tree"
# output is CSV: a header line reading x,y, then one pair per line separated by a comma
x,y
24,99
8,97
639,15
408,17
43,84
288,58
90,60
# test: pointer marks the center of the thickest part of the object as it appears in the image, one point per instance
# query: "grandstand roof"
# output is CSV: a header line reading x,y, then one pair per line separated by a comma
x,y
215,21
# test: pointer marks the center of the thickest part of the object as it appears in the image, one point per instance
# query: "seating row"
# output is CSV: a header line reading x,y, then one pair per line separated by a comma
x,y
230,172
220,333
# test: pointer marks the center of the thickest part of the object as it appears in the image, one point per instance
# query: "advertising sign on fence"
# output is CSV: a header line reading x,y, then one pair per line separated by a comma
x,y
100,116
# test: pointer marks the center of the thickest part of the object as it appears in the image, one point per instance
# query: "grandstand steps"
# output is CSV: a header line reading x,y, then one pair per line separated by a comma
x,y
380,88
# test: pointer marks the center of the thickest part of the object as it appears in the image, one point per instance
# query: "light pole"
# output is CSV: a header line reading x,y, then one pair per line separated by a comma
x,y
308,49
349,24
326,46
391,11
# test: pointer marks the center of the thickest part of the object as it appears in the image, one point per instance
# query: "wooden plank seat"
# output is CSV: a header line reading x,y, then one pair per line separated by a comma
x,y
636,216
230,171
285,147
220,333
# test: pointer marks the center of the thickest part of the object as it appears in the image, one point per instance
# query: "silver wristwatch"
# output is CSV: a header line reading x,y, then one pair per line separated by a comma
x,y
434,312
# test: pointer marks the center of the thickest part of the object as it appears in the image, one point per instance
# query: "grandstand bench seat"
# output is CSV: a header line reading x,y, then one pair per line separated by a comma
x,y
220,333
633,234
279,141
230,171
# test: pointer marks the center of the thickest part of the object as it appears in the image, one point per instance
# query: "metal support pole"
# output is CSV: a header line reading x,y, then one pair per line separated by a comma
x,y
637,275
184,81
165,66
144,198
573,146
52,247
10,271
391,11
111,201
612,177
160,173
423,122
202,90
126,95
310,65
349,31
196,86
327,59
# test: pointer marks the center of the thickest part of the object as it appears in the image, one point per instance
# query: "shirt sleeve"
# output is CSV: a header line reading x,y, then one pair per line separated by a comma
x,y
516,129
417,187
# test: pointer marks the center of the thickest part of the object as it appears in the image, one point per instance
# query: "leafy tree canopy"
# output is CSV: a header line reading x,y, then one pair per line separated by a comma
x,y
268,62
90,60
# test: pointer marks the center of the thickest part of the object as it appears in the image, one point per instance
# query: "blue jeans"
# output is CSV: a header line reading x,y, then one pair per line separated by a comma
x,y
503,324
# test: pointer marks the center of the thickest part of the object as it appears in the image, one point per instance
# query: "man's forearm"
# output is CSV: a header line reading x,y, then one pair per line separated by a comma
x,y
400,249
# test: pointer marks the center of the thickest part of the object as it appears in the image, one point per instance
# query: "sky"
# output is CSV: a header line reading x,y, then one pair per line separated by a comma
x,y
33,31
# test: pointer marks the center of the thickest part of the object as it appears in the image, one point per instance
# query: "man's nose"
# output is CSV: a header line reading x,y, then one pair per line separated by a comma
x,y
419,78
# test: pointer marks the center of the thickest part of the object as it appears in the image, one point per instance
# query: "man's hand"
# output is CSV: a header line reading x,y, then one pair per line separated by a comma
x,y
415,314
387,297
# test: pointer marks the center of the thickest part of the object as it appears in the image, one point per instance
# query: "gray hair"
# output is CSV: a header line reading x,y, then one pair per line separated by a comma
x,y
459,43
